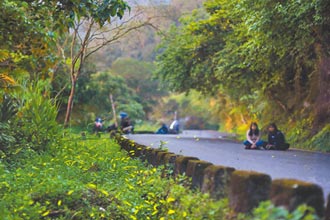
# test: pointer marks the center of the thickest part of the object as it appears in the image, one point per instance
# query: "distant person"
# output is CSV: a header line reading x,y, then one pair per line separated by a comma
x,y
174,127
253,137
125,123
276,139
98,125
163,129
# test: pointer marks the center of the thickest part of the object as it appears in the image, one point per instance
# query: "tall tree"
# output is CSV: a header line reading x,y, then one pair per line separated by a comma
x,y
89,36
271,54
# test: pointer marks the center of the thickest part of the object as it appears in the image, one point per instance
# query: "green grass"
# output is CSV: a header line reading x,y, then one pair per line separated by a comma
x,y
92,179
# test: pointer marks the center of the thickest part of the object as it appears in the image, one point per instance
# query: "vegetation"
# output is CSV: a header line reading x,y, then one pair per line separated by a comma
x,y
93,179
46,68
264,60
49,173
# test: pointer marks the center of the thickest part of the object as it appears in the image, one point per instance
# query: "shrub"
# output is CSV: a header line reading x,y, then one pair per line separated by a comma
x,y
267,211
36,125
322,140
8,109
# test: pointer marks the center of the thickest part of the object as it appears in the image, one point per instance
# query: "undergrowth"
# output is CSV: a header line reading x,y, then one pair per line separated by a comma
x,y
92,179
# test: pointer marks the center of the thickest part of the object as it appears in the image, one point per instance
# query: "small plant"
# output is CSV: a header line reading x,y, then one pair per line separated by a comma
x,y
35,124
267,211
162,146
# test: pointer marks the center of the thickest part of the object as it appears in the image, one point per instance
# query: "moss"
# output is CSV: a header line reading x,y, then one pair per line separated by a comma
x,y
292,193
170,158
138,149
247,189
181,163
195,169
161,157
216,181
154,153
147,155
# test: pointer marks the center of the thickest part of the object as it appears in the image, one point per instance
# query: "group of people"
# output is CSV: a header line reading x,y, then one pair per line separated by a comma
x,y
276,139
173,129
125,125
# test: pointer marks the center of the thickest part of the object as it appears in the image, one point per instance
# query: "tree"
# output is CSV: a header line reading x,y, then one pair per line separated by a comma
x,y
139,77
89,36
104,84
266,56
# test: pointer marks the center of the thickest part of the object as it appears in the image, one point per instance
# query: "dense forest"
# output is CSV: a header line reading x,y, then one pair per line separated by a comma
x,y
220,64
261,60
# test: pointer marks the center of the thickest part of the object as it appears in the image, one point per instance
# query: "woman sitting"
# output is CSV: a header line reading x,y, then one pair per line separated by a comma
x,y
253,137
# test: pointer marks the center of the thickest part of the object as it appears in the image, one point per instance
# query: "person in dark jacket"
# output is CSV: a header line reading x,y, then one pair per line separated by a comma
x,y
163,129
126,124
276,139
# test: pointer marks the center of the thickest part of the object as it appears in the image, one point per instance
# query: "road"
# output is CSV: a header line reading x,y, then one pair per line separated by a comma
x,y
294,164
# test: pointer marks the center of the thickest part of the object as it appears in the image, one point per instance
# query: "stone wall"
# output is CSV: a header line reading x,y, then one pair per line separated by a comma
x,y
245,189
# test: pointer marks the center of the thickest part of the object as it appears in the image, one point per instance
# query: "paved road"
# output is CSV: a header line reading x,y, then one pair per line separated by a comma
x,y
307,166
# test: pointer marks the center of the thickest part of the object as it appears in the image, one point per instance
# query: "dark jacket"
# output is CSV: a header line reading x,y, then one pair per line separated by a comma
x,y
276,138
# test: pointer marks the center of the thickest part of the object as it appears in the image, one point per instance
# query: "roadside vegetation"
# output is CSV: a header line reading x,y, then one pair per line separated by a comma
x,y
92,179
48,172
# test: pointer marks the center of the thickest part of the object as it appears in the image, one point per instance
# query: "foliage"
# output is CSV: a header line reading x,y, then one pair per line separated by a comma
x,y
35,125
138,77
268,59
105,83
267,210
322,139
194,108
92,179
8,109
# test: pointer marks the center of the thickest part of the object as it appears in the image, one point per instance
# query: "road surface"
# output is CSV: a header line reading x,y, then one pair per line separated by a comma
x,y
294,164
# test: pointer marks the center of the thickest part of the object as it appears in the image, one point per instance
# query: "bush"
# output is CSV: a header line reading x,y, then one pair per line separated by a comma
x,y
267,211
8,109
93,179
36,125
322,140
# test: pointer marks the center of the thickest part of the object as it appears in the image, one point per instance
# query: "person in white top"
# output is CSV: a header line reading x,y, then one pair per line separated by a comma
x,y
253,135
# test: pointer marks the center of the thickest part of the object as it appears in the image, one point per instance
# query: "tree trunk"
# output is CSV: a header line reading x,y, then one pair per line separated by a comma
x,y
70,103
113,110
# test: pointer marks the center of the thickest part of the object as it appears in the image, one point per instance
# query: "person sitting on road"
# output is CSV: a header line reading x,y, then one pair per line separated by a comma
x,y
163,129
174,127
276,139
253,137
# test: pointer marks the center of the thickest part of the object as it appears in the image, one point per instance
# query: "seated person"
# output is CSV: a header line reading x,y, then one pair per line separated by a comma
x,y
98,125
253,137
276,139
174,127
125,124
163,129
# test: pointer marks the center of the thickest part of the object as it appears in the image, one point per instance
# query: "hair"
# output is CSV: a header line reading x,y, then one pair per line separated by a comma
x,y
274,126
255,132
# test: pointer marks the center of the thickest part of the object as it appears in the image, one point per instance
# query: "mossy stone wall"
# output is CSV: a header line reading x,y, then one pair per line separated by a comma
x,y
195,170
247,189
181,164
292,193
216,181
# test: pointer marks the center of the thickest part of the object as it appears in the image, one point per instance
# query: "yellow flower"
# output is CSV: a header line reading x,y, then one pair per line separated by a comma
x,y
170,199
170,212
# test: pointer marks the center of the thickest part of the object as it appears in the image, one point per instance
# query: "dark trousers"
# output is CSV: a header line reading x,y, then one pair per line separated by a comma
x,y
284,146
